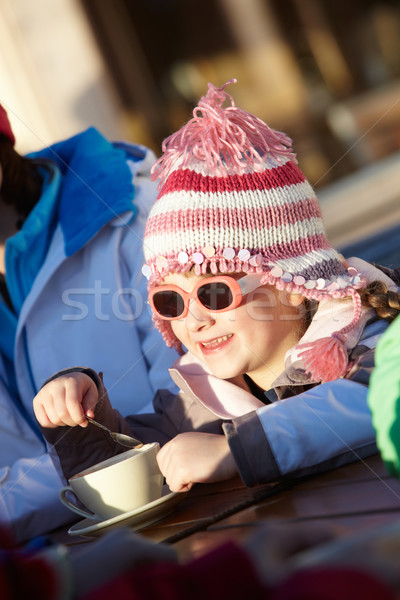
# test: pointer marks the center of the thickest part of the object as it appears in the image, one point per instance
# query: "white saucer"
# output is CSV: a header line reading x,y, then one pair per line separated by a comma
x,y
136,519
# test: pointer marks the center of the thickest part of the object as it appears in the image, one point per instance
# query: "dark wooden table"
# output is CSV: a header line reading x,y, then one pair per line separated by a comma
x,y
352,498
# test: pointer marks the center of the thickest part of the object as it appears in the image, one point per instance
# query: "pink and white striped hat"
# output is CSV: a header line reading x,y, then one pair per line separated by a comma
x,y
232,199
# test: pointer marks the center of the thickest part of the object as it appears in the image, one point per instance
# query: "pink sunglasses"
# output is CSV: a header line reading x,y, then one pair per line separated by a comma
x,y
216,294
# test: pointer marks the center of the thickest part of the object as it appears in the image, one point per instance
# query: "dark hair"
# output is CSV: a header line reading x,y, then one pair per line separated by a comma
x,y
22,181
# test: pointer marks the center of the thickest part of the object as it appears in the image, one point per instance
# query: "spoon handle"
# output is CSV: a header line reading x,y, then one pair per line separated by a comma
x,y
120,438
98,424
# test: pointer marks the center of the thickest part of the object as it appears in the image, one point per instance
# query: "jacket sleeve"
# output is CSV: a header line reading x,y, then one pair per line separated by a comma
x,y
325,427
29,484
173,414
29,503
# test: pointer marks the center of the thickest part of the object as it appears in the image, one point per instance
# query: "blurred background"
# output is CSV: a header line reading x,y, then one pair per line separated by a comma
x,y
327,72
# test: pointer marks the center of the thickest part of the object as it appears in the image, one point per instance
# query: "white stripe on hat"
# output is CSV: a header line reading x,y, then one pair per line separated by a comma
x,y
168,243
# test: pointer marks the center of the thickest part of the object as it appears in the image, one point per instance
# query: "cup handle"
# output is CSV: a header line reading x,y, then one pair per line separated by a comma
x,y
71,506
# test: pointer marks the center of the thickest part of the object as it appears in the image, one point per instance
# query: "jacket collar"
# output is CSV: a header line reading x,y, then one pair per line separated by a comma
x,y
27,249
222,397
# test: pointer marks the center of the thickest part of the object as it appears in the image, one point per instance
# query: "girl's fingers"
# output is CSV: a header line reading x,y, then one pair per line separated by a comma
x,y
41,415
68,404
163,459
90,398
174,476
47,398
74,414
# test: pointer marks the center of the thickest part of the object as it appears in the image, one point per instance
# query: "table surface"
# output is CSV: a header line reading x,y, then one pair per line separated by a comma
x,y
352,498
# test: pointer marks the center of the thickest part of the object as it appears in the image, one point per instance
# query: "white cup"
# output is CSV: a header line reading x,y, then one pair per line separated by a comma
x,y
116,485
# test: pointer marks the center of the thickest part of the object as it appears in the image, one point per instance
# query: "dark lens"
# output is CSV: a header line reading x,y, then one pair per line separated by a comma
x,y
215,296
168,304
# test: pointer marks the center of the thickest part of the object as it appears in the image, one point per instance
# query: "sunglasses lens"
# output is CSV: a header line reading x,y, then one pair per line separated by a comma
x,y
168,304
215,296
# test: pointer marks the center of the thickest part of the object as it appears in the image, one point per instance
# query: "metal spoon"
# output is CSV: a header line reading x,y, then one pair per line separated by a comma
x,y
120,438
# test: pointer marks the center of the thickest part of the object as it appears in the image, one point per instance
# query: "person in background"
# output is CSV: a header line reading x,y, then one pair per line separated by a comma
x,y
266,566
279,329
71,290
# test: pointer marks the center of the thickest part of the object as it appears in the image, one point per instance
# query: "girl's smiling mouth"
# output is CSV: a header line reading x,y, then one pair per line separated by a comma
x,y
215,344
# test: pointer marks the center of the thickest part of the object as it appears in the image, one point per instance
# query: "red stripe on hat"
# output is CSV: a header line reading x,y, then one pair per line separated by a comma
x,y
185,179
242,218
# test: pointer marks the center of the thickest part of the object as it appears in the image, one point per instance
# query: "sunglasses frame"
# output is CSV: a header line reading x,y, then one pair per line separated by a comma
x,y
238,287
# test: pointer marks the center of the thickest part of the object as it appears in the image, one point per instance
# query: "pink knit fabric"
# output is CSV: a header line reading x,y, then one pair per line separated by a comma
x,y
232,199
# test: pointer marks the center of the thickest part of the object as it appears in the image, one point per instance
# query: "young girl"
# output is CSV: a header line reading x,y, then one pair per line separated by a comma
x,y
278,328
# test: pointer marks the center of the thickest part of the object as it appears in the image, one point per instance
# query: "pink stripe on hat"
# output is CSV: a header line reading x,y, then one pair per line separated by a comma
x,y
199,218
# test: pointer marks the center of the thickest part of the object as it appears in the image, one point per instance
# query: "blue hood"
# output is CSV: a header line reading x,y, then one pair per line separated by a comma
x,y
96,185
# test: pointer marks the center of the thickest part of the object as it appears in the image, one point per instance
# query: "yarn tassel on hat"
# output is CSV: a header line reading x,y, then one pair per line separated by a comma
x,y
224,139
326,359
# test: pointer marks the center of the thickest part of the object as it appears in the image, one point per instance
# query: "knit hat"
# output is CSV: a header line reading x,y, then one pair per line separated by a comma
x,y
232,199
5,127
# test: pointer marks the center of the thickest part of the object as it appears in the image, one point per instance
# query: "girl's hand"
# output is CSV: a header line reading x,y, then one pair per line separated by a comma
x,y
195,458
65,401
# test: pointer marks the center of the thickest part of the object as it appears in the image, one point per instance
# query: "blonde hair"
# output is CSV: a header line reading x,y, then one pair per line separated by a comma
x,y
385,302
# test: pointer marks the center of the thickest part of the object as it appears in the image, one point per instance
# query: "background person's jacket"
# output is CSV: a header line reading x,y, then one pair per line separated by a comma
x,y
78,296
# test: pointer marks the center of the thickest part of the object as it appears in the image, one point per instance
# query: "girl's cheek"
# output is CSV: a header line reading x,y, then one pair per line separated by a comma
x,y
179,329
262,304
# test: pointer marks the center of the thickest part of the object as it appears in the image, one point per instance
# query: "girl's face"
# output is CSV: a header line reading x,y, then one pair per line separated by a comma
x,y
251,339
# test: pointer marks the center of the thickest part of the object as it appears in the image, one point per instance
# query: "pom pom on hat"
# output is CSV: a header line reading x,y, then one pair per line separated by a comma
x,y
326,359
233,200
5,127
227,140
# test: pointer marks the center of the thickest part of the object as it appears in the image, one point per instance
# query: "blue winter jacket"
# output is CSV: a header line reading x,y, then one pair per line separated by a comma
x,y
73,273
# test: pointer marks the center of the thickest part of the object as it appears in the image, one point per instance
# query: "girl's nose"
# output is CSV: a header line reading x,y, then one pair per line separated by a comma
x,y
198,317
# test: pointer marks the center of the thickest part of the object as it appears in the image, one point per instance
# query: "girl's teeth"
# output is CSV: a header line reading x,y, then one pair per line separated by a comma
x,y
216,341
